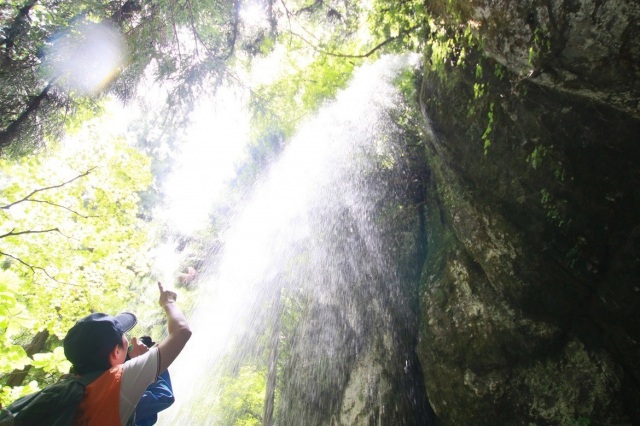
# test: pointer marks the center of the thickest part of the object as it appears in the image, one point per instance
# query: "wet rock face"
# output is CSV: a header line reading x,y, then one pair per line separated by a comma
x,y
585,47
351,358
530,289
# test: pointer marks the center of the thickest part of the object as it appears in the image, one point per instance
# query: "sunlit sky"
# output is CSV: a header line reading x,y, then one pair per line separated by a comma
x,y
213,144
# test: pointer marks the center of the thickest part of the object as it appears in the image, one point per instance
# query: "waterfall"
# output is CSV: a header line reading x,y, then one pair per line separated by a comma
x,y
309,266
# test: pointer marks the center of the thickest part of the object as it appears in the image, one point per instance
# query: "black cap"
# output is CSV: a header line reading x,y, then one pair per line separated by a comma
x,y
89,342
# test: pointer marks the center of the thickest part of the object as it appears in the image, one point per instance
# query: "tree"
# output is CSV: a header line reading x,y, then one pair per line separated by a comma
x,y
241,399
70,240
187,44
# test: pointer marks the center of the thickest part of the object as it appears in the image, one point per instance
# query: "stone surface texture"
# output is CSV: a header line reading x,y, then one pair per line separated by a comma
x,y
530,292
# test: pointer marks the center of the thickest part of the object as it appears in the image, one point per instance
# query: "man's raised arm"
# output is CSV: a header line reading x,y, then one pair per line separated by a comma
x,y
179,331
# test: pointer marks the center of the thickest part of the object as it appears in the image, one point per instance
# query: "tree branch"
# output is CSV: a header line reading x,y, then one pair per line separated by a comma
x,y
364,55
236,20
273,22
13,234
126,11
288,13
27,198
310,8
36,268
193,28
63,207
13,32
175,31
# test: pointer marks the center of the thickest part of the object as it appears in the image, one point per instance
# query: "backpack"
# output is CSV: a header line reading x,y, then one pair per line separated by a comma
x,y
54,405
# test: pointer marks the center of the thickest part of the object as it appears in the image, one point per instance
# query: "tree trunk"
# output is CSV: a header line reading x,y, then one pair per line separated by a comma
x,y
17,26
37,344
12,131
269,398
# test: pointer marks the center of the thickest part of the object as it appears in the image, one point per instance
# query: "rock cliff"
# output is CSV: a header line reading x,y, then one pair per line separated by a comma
x,y
530,291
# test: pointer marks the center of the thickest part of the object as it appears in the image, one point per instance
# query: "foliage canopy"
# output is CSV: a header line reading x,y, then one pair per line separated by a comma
x,y
70,240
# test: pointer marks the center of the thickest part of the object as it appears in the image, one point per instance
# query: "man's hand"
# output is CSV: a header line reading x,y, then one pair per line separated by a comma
x,y
166,296
138,348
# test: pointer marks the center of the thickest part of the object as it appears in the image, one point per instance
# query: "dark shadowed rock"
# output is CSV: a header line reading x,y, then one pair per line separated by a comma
x,y
531,291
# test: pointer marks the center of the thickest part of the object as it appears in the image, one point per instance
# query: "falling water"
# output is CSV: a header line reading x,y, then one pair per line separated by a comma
x,y
312,264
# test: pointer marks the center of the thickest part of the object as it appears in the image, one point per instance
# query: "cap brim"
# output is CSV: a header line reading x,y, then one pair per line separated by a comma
x,y
127,320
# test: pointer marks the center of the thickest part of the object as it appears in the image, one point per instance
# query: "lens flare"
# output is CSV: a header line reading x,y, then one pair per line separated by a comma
x,y
85,57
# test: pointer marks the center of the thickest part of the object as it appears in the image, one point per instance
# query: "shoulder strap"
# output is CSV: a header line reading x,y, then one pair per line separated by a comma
x,y
88,378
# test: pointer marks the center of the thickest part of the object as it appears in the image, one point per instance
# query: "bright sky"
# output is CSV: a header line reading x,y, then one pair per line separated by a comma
x,y
213,145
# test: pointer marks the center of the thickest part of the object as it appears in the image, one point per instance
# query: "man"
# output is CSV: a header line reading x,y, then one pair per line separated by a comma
x,y
97,342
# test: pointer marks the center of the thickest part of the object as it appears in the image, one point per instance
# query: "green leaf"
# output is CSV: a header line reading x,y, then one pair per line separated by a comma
x,y
52,361
13,357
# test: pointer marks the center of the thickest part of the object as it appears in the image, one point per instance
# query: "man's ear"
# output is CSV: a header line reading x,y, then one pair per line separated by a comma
x,y
116,355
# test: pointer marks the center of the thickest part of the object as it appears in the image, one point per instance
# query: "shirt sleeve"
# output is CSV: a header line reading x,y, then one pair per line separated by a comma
x,y
137,375
157,397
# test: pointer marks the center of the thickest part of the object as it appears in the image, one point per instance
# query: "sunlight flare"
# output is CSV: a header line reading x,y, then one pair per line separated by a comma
x,y
85,57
